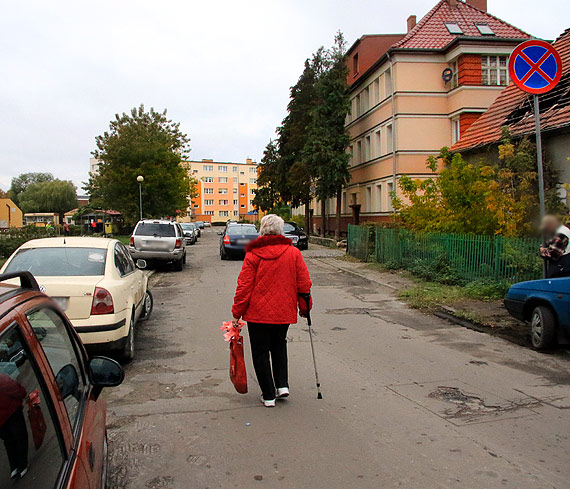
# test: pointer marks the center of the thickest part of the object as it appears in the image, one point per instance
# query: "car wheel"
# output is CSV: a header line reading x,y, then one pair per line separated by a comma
x,y
147,305
184,259
223,254
129,349
542,327
179,265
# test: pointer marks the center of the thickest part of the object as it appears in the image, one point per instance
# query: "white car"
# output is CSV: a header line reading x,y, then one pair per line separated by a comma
x,y
95,282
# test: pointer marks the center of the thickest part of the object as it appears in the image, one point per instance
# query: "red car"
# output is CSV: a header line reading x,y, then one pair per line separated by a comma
x,y
52,421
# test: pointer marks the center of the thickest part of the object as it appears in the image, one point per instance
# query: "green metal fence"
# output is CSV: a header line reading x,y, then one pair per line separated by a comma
x,y
468,257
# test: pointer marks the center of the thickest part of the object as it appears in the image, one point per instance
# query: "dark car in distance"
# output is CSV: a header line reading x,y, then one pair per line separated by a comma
x,y
235,238
50,403
297,235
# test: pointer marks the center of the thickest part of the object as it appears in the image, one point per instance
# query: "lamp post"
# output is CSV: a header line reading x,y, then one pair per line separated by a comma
x,y
140,179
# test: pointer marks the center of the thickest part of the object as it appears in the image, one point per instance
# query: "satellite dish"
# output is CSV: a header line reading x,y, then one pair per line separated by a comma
x,y
447,75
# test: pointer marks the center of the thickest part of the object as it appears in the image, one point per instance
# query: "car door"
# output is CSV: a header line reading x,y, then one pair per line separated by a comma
x,y
132,278
33,425
65,362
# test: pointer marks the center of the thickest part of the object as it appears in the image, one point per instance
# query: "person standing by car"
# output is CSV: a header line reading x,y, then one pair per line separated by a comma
x,y
13,431
267,296
556,252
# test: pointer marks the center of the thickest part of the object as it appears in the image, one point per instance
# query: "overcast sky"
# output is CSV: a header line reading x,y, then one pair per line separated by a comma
x,y
222,68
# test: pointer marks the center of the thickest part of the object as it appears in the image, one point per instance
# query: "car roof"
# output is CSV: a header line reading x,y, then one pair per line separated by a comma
x,y
69,242
13,294
156,221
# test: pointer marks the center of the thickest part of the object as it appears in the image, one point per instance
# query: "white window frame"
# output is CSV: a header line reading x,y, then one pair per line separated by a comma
x,y
491,65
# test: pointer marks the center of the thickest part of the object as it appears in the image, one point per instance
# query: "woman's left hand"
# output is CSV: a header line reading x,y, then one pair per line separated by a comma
x,y
235,323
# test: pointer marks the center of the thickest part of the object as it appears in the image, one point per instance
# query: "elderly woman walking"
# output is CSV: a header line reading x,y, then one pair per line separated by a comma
x,y
267,296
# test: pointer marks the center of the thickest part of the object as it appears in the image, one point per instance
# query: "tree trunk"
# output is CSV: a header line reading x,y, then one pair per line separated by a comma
x,y
338,213
308,216
323,218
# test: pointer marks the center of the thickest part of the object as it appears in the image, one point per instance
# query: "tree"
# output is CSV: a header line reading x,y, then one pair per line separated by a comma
x,y
325,149
267,195
20,183
57,196
143,143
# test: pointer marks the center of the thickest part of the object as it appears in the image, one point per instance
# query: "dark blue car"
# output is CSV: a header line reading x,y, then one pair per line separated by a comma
x,y
545,304
235,238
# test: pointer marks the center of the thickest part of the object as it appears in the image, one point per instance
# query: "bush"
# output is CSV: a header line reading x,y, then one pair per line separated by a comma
x,y
298,220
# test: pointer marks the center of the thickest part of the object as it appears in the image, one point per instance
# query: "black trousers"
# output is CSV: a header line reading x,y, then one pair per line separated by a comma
x,y
269,349
15,436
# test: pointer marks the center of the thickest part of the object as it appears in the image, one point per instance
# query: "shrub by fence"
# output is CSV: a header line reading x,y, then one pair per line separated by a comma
x,y
449,258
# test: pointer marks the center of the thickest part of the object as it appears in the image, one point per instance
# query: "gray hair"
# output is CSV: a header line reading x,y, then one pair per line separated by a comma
x,y
271,224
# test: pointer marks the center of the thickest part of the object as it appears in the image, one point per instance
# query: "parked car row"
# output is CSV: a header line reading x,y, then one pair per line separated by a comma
x,y
236,236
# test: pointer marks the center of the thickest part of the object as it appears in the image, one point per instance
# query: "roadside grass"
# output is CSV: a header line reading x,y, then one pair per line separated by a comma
x,y
2,261
123,239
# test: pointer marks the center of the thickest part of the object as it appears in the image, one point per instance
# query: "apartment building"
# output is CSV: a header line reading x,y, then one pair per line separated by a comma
x,y
225,190
413,94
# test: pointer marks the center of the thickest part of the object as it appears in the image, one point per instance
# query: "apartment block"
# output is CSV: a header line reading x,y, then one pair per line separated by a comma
x,y
225,190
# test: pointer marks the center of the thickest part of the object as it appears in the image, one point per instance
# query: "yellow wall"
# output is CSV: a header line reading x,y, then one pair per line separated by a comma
x,y
10,214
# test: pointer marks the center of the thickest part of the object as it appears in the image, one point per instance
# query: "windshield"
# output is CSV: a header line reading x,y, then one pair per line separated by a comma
x,y
187,226
289,228
237,229
59,262
156,229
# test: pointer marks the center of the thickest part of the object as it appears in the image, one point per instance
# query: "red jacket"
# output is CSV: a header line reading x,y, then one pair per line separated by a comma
x,y
12,396
271,279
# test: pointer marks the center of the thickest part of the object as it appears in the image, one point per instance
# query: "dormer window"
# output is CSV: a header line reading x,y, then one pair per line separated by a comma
x,y
485,30
453,28
355,64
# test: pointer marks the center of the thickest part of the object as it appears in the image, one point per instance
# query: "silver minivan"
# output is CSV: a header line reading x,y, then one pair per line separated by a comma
x,y
159,240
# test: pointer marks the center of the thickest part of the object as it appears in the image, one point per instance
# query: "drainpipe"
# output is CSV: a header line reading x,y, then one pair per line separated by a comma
x,y
393,99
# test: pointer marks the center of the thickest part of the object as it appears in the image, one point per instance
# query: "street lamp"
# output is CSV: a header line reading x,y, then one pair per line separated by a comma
x,y
140,179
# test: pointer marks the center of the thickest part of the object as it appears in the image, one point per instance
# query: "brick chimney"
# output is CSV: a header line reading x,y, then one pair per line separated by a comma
x,y
452,3
248,161
480,4
412,19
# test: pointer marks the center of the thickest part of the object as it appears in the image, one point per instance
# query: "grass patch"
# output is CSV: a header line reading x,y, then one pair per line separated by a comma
x,y
428,296
123,239
348,258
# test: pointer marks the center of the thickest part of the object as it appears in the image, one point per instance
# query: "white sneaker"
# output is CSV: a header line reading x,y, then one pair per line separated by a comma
x,y
15,474
282,392
266,403
24,472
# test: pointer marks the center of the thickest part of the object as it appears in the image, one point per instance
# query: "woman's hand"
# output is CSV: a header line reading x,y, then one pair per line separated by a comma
x,y
235,323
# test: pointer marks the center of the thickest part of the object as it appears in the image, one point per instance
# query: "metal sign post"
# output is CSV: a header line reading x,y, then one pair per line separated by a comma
x,y
536,67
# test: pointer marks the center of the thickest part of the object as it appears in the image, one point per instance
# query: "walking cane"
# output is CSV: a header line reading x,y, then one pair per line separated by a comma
x,y
307,298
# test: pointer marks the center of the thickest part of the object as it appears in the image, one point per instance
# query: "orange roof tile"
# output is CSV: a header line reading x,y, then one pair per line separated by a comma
x,y
514,108
431,32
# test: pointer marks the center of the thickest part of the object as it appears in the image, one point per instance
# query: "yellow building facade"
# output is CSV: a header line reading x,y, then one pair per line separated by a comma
x,y
10,215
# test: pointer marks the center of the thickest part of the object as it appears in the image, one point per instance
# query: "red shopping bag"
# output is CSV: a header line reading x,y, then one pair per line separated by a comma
x,y
238,373
36,418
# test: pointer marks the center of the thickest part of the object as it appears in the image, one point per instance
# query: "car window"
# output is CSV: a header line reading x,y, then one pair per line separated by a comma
x,y
289,228
27,428
237,229
123,261
155,229
62,357
59,262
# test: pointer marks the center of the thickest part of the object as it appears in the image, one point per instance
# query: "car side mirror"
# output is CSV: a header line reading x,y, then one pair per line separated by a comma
x,y
104,372
141,264
67,381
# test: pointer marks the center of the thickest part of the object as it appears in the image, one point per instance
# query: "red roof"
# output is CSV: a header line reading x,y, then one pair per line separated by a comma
x,y
432,33
514,108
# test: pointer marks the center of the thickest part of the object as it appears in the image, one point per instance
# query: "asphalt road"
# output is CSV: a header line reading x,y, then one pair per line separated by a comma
x,y
410,401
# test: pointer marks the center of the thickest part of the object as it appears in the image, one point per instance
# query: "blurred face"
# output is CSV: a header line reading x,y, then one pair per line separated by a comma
x,y
549,225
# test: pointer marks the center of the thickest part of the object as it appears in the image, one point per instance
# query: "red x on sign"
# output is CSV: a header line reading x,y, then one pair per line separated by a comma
x,y
535,66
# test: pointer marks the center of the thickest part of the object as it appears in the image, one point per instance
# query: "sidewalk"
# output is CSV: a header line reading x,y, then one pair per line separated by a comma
x,y
489,317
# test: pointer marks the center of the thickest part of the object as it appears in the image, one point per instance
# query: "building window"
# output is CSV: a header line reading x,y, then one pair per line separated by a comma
x,y
358,158
224,213
389,138
194,171
242,195
351,154
208,179
358,107
378,143
252,169
224,202
251,203
235,169
242,184
455,130
236,202
367,144
368,199
453,28
242,206
494,70
222,190
208,213
208,190
222,168
375,96
379,197
252,191
485,29
223,179
209,202
390,191
208,167
235,179
236,213
253,181
455,78
355,64
235,190
387,84
365,99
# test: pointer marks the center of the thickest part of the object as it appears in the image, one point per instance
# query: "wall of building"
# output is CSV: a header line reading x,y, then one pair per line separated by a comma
x,y
10,215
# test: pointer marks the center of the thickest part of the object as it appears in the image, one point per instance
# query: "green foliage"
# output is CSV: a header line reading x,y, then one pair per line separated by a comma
x,y
143,143
57,196
12,239
20,183
490,198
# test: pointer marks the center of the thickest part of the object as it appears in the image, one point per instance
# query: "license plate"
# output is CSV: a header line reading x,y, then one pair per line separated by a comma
x,y
61,302
243,241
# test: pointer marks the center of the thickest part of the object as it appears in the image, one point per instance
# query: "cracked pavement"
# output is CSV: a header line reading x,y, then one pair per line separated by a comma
x,y
410,400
